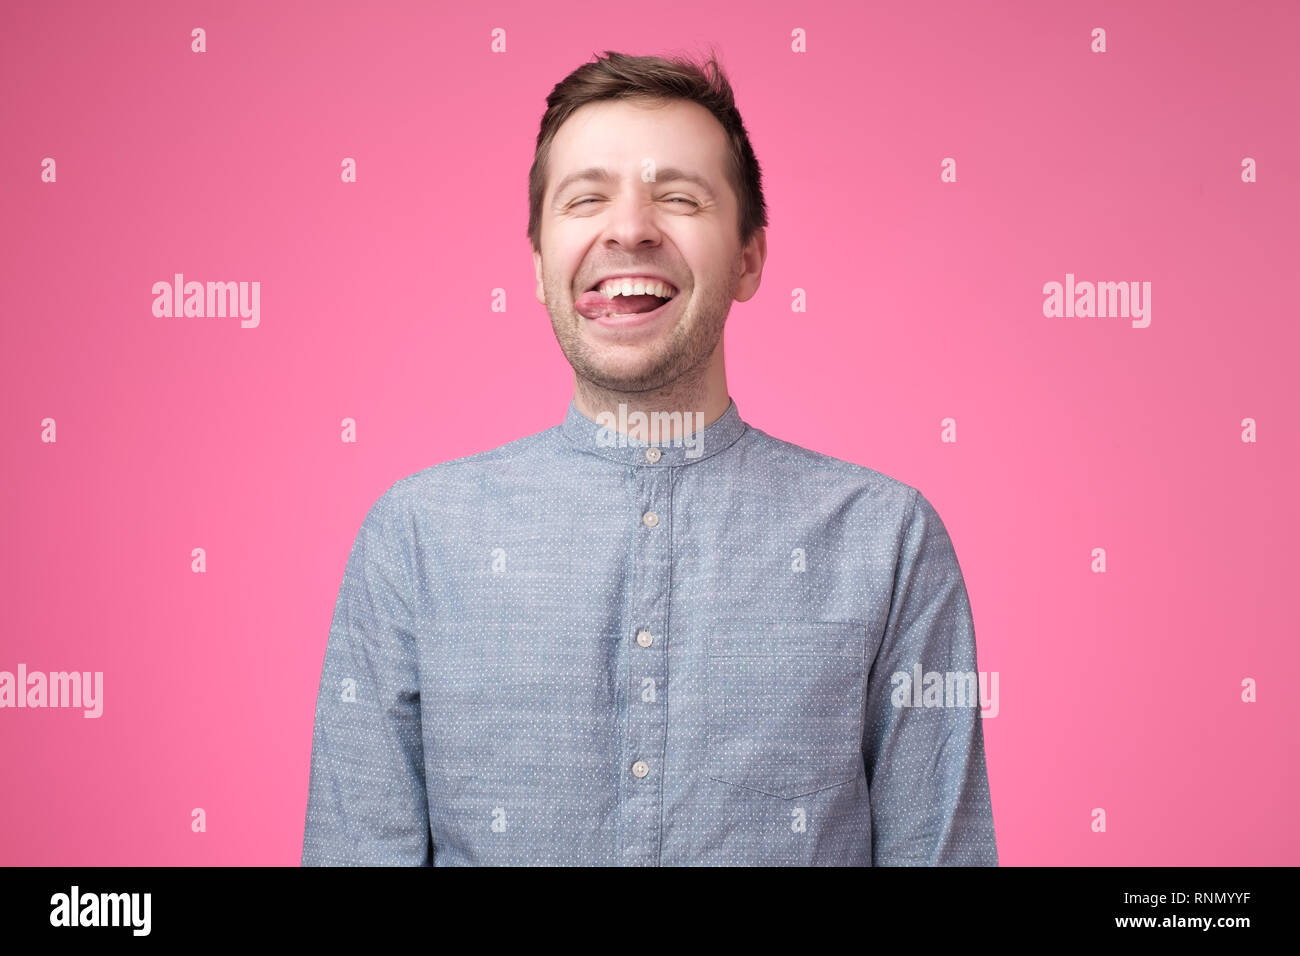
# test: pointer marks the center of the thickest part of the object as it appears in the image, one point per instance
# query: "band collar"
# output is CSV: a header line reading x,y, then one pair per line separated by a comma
x,y
609,437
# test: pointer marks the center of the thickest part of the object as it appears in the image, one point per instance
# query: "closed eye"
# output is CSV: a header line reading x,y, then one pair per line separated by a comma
x,y
583,202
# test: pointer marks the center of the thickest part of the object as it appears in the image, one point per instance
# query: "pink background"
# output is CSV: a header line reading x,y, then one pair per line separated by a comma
x,y
1118,690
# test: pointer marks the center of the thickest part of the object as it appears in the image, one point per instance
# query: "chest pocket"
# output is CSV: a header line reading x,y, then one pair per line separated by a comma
x,y
785,704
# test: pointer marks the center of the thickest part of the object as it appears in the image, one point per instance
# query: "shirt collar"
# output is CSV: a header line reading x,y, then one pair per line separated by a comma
x,y
613,443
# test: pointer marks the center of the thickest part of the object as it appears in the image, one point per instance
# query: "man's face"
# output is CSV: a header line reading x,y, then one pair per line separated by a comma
x,y
683,231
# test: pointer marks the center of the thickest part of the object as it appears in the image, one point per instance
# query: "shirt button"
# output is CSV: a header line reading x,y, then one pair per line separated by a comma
x,y
652,453
650,518
640,768
645,638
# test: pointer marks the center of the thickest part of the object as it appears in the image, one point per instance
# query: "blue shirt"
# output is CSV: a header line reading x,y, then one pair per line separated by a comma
x,y
576,650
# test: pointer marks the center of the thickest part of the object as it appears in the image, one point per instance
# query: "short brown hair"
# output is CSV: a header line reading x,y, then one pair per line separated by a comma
x,y
619,76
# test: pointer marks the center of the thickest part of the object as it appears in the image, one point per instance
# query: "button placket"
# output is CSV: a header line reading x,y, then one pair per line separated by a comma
x,y
647,720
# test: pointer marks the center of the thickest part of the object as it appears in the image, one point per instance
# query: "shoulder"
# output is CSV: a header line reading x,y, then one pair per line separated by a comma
x,y
805,469
471,475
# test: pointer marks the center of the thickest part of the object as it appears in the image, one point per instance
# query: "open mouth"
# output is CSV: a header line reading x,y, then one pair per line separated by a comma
x,y
621,298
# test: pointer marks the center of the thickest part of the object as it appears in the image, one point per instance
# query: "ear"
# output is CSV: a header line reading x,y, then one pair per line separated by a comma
x,y
537,269
752,258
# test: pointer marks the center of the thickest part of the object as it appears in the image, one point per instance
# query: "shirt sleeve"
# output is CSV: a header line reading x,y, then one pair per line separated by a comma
x,y
366,801
925,767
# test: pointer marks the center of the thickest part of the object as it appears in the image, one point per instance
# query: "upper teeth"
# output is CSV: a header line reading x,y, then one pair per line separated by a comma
x,y
613,287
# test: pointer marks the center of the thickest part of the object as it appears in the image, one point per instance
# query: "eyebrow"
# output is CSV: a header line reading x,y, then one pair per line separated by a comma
x,y
666,174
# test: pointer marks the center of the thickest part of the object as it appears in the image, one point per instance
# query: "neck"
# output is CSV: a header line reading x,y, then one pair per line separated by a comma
x,y
700,399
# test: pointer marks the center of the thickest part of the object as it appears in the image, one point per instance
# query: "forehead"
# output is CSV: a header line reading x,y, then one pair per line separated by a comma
x,y
621,134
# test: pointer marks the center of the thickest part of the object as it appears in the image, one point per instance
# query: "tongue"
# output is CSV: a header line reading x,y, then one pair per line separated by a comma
x,y
594,305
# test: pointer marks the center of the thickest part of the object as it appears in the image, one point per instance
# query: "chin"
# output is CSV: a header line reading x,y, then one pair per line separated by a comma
x,y
633,376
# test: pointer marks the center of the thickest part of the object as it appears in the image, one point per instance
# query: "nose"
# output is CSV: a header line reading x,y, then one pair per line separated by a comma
x,y
632,221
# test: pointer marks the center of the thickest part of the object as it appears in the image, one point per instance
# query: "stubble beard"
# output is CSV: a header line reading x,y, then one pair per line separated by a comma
x,y
675,362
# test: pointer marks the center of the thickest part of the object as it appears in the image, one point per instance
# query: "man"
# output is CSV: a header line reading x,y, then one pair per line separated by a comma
x,y
653,634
